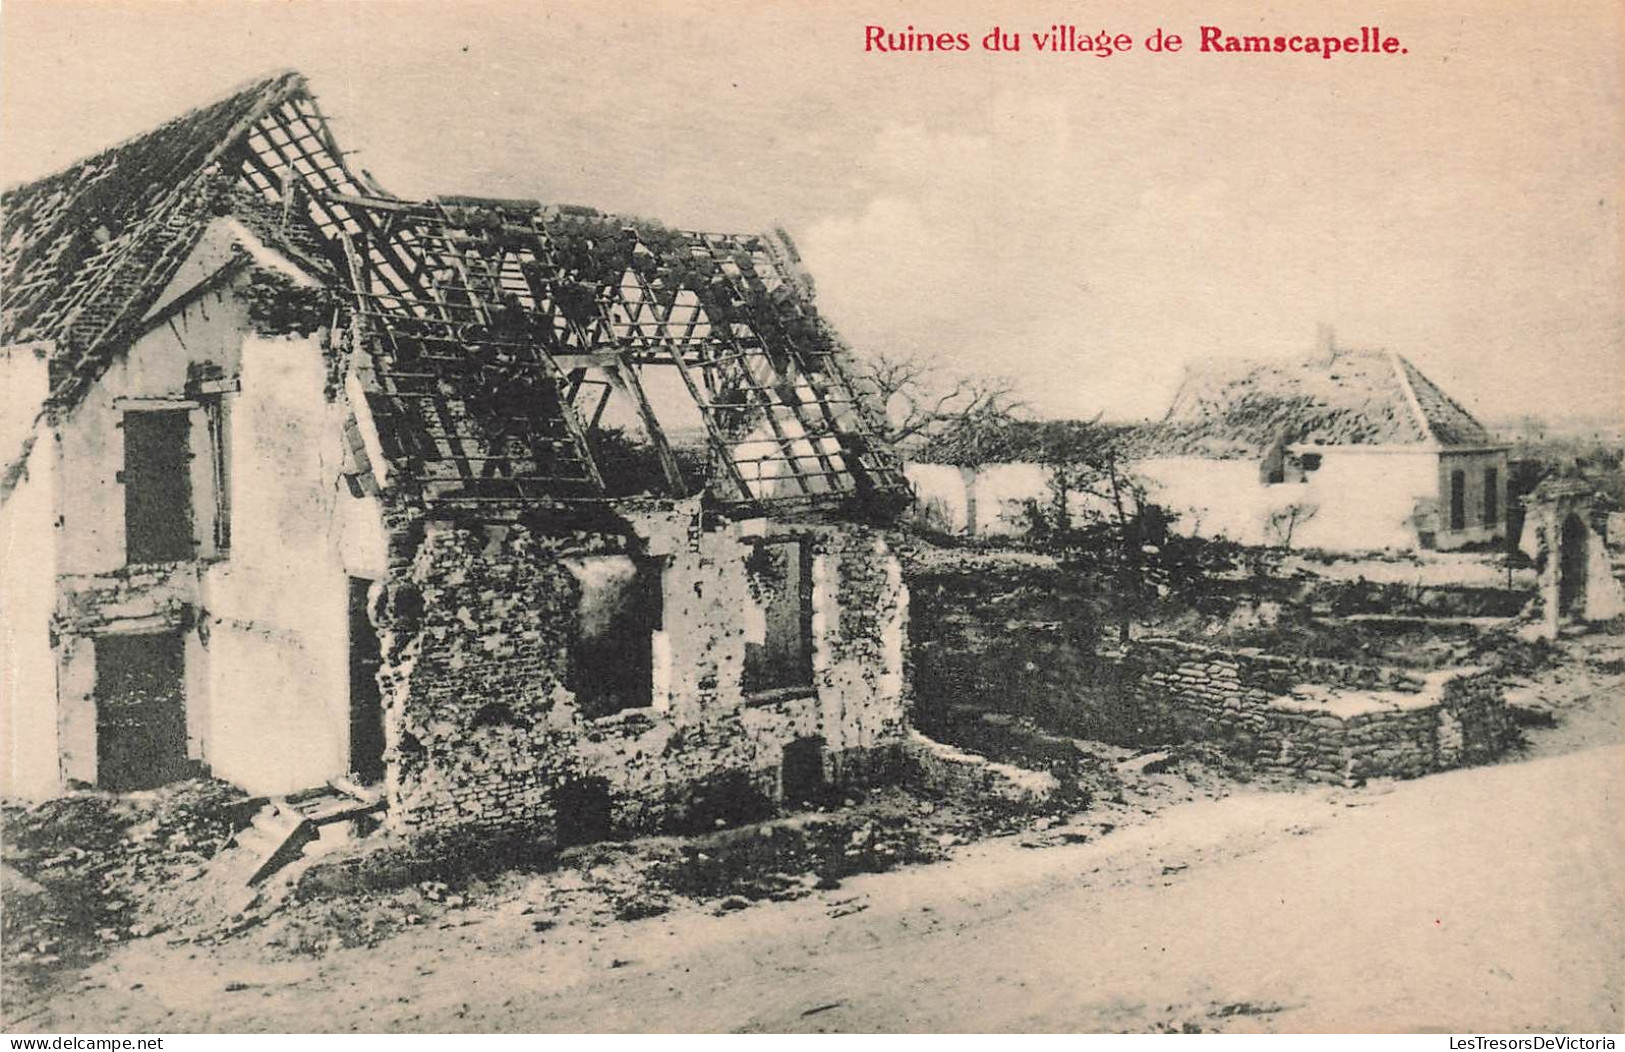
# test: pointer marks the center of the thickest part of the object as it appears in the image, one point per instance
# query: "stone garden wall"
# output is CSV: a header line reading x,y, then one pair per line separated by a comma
x,y
1320,720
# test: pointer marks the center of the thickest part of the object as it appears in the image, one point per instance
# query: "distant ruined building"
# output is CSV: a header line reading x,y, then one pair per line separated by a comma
x,y
1565,535
1351,450
306,485
1345,450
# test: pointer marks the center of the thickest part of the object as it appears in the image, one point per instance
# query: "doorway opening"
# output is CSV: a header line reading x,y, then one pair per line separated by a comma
x,y
584,811
802,774
1571,568
140,711
366,701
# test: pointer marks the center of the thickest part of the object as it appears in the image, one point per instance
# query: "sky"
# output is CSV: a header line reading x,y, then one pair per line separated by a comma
x,y
1085,225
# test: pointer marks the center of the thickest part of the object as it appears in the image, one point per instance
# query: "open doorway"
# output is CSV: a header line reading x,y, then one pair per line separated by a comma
x,y
802,773
1571,568
140,711
366,701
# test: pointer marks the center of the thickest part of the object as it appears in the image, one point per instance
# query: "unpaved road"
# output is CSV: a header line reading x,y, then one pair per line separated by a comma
x,y
1485,899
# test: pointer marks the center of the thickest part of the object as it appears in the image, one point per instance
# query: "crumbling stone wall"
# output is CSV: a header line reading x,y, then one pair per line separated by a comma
x,y
1014,636
476,629
1267,674
1554,504
1362,722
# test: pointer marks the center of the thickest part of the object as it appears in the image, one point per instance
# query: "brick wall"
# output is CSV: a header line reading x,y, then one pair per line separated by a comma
x,y
476,632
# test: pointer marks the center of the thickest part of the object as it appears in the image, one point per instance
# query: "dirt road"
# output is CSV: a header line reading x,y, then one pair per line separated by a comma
x,y
1482,899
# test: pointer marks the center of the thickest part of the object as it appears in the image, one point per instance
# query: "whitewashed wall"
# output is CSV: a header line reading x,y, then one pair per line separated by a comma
x,y
278,621
28,703
1360,500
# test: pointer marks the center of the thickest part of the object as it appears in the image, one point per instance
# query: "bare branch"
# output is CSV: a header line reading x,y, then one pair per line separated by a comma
x,y
919,405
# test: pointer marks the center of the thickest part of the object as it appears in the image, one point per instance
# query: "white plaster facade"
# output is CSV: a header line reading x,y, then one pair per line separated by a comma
x,y
263,623
1358,499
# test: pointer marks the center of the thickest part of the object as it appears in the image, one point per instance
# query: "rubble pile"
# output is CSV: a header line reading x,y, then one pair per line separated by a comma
x,y
81,871
377,889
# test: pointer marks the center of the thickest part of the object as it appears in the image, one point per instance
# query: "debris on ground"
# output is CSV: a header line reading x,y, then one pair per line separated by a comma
x,y
82,871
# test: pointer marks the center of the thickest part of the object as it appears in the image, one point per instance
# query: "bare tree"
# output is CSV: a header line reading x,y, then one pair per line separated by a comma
x,y
920,404
1283,522
1115,536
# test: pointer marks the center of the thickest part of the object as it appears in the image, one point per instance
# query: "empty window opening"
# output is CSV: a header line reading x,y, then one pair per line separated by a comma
x,y
803,770
1458,500
366,701
140,711
612,655
157,486
781,582
1492,496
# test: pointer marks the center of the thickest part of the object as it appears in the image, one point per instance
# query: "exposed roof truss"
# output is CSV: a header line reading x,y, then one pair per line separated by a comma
x,y
463,294
489,335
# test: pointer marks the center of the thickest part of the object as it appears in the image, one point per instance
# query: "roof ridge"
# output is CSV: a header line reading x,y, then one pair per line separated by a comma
x,y
254,84
83,297
270,91
1445,396
1402,369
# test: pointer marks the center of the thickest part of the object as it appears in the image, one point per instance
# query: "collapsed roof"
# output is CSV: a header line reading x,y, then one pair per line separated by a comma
x,y
484,336
1237,409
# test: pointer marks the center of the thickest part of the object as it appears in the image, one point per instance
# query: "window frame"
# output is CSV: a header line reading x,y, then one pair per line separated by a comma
x,y
805,667
1458,500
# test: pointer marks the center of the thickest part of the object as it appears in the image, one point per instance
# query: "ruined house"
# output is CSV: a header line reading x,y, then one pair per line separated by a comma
x,y
1345,450
309,485
1566,531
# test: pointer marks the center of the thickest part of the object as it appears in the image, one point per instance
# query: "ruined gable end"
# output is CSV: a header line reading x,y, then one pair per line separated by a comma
x,y
497,513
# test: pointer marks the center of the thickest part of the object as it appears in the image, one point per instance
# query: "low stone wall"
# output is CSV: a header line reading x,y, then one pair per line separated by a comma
x,y
1320,720
942,768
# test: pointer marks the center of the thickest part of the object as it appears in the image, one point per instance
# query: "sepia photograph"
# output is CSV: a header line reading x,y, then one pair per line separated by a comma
x,y
903,516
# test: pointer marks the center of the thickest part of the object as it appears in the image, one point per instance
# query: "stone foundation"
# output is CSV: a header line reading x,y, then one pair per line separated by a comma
x,y
1321,720
942,768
